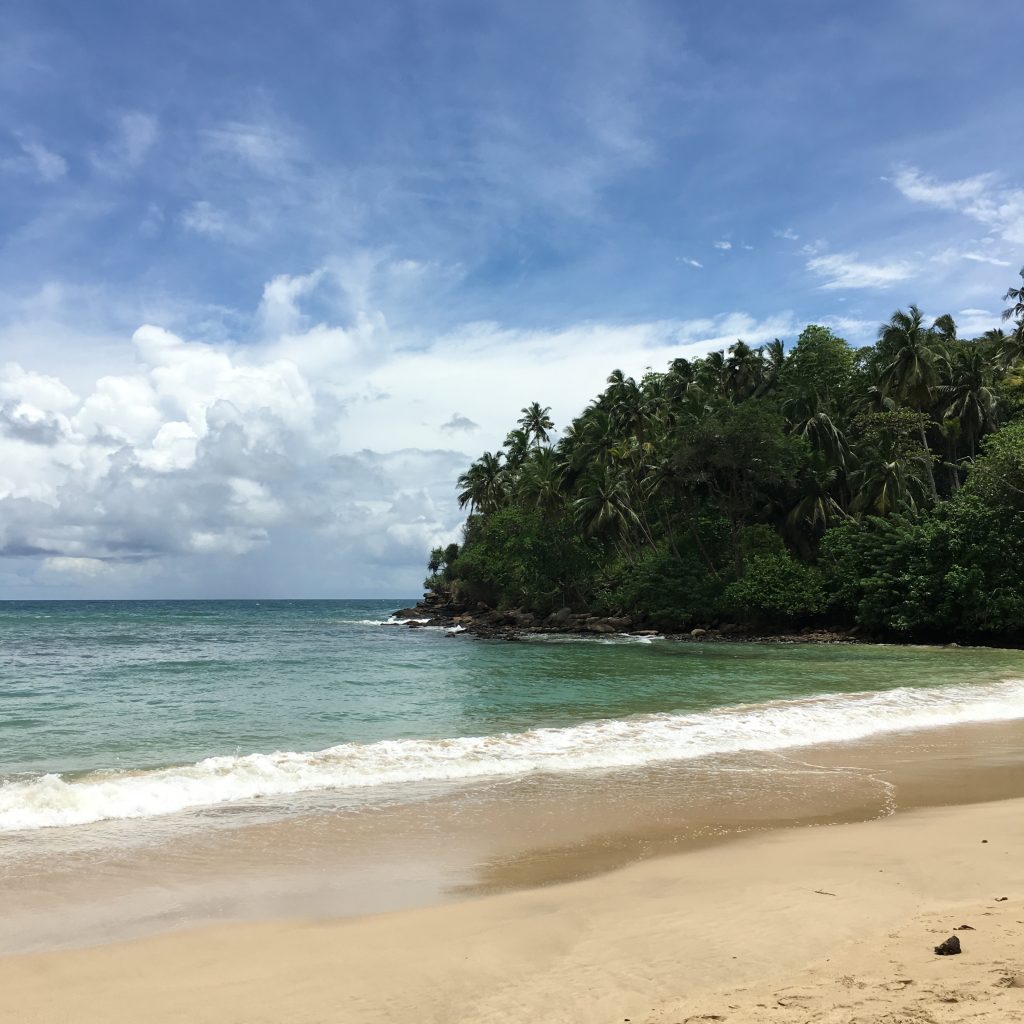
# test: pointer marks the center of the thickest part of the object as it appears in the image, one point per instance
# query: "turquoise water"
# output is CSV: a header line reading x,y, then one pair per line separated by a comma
x,y
139,709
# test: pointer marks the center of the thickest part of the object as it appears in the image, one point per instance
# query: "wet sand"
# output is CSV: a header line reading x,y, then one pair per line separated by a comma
x,y
476,841
826,924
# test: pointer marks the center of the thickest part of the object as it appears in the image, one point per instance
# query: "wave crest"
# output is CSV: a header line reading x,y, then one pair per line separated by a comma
x,y
52,801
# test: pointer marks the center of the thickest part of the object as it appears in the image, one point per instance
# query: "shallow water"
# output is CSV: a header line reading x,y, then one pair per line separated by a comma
x,y
193,711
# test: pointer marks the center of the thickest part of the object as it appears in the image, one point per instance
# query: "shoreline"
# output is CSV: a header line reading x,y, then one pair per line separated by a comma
x,y
532,833
518,624
838,920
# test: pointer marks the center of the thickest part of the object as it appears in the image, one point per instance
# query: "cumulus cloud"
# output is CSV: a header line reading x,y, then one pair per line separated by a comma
x,y
723,245
279,311
332,443
845,270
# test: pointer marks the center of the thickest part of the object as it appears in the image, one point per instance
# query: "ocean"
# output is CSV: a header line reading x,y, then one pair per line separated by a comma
x,y
172,714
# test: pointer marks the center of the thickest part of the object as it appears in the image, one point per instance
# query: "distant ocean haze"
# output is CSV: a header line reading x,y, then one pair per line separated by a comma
x,y
150,710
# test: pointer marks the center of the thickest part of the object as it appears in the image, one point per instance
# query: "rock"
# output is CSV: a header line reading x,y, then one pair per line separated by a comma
x,y
964,928
619,622
698,633
417,625
560,617
644,632
408,613
949,948
600,627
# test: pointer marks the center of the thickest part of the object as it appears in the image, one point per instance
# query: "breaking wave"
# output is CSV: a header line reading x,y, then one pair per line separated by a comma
x,y
53,801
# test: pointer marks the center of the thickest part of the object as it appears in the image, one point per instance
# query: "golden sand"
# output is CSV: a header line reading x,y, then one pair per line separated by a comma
x,y
834,923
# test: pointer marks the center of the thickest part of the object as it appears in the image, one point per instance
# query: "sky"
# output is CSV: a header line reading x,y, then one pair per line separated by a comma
x,y
272,275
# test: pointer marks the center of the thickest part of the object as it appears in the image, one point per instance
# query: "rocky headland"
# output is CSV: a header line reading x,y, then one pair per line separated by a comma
x,y
516,624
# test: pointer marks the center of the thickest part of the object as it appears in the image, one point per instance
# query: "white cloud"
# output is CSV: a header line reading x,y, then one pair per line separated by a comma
x,y
134,135
51,166
265,146
691,262
36,159
723,245
978,257
949,195
279,312
460,423
852,328
845,270
788,233
972,323
950,256
982,197
204,219
336,441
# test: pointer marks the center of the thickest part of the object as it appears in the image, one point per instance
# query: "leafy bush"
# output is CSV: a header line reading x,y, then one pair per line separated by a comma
x,y
951,572
668,591
776,590
520,557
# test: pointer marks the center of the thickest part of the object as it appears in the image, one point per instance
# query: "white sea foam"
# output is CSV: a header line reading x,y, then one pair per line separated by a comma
x,y
389,621
50,800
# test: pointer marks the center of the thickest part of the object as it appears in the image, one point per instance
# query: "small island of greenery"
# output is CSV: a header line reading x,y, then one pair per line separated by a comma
x,y
878,490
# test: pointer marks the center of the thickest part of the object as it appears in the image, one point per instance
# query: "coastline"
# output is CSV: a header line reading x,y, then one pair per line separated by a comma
x,y
833,923
486,623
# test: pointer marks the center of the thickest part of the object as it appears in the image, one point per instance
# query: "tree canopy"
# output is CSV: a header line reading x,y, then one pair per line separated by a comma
x,y
880,486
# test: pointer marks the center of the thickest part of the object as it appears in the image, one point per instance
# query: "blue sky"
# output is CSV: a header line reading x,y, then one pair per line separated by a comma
x,y
271,274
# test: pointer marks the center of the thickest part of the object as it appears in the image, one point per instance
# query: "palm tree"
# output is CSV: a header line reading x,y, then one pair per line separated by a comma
x,y
540,483
886,483
1016,296
816,508
744,371
711,374
592,436
945,327
968,396
993,344
536,423
604,505
517,443
773,355
1012,348
625,404
810,417
912,370
913,362
482,486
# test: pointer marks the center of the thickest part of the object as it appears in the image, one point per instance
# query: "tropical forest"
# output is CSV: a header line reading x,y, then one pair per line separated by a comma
x,y
876,488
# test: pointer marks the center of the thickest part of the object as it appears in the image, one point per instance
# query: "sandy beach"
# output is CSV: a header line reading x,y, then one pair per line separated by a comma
x,y
834,923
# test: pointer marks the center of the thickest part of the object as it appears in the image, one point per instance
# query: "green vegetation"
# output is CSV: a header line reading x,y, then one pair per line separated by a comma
x,y
879,487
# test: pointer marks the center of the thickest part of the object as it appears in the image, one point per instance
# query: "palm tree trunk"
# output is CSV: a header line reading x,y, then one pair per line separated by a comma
x,y
928,463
